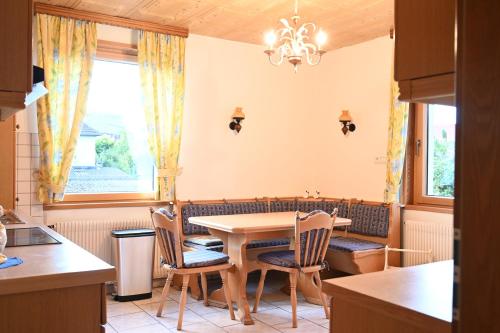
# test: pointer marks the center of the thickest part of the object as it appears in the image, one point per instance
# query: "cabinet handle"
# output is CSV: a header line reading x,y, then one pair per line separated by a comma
x,y
417,147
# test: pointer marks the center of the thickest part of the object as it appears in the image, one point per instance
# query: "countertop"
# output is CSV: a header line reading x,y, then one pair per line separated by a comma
x,y
425,290
52,266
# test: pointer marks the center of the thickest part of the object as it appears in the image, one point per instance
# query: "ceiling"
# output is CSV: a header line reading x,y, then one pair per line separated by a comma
x,y
347,22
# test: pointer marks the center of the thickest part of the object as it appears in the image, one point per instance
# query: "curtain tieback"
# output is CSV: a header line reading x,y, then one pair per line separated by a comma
x,y
169,172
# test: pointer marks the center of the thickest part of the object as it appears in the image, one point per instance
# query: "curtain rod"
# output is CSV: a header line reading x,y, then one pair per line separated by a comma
x,y
42,8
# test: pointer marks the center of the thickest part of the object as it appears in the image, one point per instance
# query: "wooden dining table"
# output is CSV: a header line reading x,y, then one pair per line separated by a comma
x,y
236,232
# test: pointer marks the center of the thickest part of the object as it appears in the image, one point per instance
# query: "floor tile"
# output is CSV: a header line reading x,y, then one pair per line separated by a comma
x,y
204,327
154,299
117,309
109,329
301,306
263,306
258,327
151,308
316,316
303,326
200,309
274,316
130,321
169,320
221,319
155,328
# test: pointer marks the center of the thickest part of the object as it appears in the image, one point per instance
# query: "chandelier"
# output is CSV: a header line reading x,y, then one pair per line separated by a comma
x,y
294,42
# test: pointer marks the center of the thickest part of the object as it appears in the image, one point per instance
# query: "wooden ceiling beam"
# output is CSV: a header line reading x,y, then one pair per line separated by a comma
x,y
42,8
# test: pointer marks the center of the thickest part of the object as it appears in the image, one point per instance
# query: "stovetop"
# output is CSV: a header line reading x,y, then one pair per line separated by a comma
x,y
29,236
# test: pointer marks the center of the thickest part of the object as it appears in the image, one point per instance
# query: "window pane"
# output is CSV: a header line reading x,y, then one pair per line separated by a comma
x,y
112,154
441,122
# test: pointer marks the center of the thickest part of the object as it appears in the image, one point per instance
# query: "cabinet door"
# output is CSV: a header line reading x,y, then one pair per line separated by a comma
x,y
425,38
7,166
15,43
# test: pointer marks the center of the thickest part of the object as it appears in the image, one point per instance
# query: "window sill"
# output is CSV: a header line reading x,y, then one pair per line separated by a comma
x,y
104,204
430,208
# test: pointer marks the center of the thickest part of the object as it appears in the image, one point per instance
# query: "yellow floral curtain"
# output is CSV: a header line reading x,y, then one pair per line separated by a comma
x,y
161,64
66,49
396,148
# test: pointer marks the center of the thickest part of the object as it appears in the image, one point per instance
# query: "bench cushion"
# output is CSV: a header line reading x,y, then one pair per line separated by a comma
x,y
369,220
203,258
268,242
279,258
215,244
348,244
204,240
229,208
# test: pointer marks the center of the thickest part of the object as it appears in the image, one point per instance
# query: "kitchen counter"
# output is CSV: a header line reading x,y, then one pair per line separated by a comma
x,y
411,299
57,288
52,266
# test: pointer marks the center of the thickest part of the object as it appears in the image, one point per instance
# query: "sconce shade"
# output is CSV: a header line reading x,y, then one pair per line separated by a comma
x,y
345,116
238,113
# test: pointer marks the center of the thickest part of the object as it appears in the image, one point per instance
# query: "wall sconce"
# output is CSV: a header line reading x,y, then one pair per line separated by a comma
x,y
237,116
346,120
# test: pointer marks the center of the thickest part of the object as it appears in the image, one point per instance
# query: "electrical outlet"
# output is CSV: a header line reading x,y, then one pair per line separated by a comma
x,y
380,159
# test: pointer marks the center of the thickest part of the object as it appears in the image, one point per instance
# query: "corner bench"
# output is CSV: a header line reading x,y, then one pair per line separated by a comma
x,y
373,226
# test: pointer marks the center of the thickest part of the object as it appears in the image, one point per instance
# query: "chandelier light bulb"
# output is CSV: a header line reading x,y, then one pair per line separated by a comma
x,y
321,38
270,39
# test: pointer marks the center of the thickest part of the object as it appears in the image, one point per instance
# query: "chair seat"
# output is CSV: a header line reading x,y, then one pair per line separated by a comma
x,y
348,244
204,258
218,248
279,258
268,242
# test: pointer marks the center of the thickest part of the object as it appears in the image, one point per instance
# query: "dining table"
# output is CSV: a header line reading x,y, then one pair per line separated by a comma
x,y
236,232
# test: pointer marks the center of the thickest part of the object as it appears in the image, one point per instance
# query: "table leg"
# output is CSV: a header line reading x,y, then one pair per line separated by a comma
x,y
238,277
235,248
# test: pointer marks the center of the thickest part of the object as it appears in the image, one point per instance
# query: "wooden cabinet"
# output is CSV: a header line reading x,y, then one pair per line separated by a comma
x,y
16,57
425,50
7,166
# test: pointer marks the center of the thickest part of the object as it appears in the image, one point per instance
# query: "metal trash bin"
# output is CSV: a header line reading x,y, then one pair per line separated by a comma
x,y
132,252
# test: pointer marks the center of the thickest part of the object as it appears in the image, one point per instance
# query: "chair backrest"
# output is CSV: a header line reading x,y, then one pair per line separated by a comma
x,y
168,236
312,236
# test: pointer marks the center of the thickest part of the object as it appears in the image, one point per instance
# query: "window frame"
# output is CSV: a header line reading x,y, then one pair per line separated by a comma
x,y
117,52
420,163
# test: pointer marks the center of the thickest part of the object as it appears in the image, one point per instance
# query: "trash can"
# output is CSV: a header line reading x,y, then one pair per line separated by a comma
x,y
132,252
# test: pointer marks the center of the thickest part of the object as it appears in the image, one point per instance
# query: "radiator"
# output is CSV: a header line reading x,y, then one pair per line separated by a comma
x,y
423,235
95,237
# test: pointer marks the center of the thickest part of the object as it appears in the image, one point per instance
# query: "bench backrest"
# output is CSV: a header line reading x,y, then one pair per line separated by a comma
x,y
309,205
211,208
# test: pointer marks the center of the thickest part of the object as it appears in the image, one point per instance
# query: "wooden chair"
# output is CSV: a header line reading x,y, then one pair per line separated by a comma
x,y
176,261
312,236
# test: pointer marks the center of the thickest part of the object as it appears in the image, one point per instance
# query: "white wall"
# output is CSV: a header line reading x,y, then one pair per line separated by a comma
x,y
291,139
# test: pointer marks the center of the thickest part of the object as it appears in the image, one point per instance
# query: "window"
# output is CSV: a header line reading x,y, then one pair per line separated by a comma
x,y
434,154
112,160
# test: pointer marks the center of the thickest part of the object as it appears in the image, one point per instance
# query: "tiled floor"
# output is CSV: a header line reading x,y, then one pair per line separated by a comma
x,y
274,314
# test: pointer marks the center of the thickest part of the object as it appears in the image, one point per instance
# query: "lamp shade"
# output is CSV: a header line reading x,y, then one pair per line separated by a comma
x,y
345,116
238,113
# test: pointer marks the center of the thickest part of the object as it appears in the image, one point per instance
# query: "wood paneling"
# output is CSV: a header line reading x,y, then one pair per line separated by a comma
x,y
477,165
109,19
76,310
15,41
424,38
412,299
346,22
7,166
